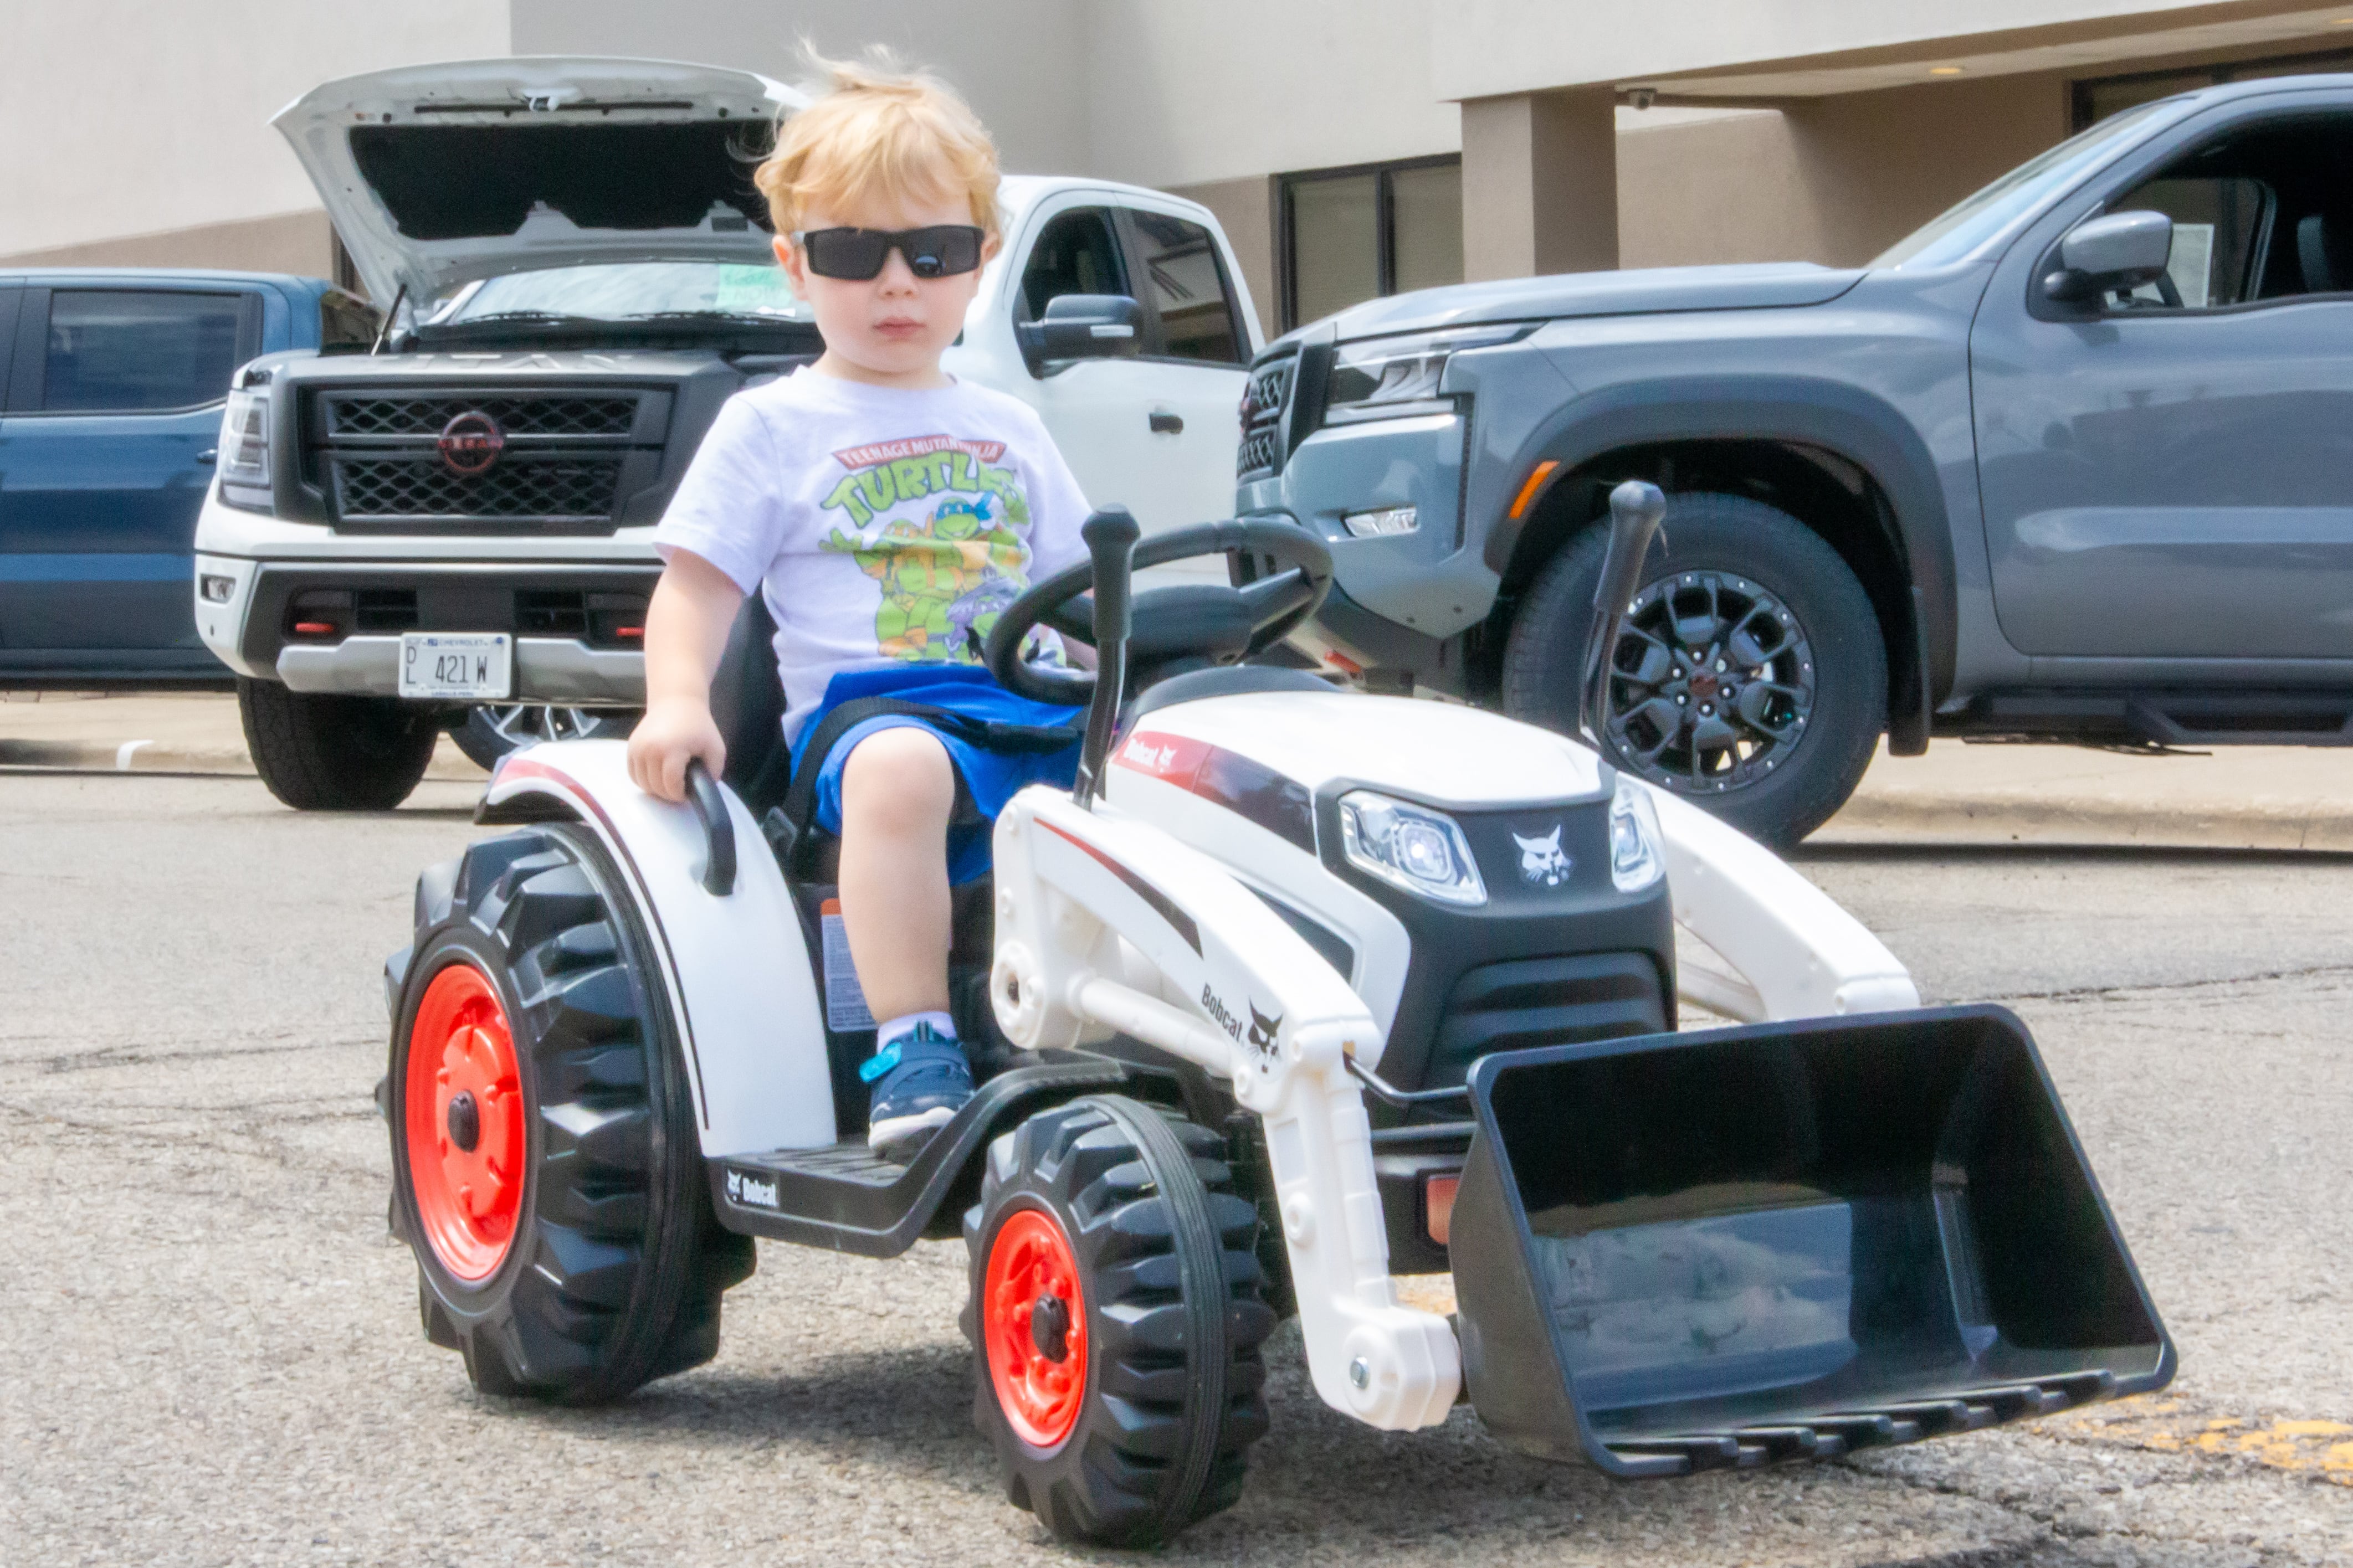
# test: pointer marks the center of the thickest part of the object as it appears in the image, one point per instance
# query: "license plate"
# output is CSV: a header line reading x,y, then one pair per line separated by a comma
x,y
475,667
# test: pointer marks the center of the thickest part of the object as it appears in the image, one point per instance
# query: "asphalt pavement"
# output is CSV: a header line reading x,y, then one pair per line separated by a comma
x,y
212,1353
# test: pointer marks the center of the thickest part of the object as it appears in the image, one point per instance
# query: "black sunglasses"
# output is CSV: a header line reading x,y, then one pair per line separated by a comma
x,y
858,254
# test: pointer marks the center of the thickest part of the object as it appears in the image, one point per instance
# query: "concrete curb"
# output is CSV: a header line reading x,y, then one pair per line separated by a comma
x,y
164,757
2045,819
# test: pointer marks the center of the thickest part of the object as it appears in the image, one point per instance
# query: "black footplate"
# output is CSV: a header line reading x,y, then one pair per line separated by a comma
x,y
847,1197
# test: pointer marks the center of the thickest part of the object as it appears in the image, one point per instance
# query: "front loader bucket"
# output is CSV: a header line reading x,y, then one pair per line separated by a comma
x,y
1683,1252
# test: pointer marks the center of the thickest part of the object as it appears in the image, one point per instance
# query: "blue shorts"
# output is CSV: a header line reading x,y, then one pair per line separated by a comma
x,y
990,778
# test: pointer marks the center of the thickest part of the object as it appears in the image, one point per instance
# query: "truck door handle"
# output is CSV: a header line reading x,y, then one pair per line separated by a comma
x,y
208,455
1167,423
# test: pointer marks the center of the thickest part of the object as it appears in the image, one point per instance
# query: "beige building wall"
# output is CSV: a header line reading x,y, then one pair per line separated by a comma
x,y
1834,180
1022,64
138,132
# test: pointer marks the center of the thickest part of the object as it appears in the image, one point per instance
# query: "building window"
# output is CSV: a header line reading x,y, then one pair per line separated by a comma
x,y
1351,235
2095,100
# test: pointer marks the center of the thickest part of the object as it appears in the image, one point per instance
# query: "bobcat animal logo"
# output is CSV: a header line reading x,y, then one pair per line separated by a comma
x,y
1541,862
1262,1030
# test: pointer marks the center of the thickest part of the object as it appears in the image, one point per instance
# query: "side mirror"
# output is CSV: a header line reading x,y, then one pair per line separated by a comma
x,y
1082,326
2117,251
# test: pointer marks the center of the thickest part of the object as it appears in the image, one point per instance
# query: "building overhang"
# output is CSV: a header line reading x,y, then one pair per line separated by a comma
x,y
1700,62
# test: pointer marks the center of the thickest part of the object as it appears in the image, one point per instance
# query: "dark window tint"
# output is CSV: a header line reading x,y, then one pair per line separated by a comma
x,y
1335,244
115,349
1076,255
2258,213
1349,235
1188,288
2217,223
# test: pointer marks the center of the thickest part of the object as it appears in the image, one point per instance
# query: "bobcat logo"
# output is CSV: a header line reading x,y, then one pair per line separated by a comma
x,y
1262,1030
1541,862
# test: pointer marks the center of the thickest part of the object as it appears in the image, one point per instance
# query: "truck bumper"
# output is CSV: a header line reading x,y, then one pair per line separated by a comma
x,y
546,669
564,618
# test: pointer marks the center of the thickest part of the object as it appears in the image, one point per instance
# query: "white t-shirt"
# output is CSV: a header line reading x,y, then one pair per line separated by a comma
x,y
884,526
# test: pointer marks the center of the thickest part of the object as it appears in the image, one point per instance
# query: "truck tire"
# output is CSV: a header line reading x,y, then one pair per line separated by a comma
x,y
493,730
1115,1321
1751,680
322,753
546,1168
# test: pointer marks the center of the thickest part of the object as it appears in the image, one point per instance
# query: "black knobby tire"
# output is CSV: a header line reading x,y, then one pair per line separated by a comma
x,y
1174,1390
614,1266
1744,557
491,731
322,753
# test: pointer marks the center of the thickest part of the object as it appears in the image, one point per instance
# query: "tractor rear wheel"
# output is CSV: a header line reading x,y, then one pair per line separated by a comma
x,y
1115,1321
545,1167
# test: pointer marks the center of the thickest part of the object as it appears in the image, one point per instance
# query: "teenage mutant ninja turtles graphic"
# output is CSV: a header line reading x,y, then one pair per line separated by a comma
x,y
945,580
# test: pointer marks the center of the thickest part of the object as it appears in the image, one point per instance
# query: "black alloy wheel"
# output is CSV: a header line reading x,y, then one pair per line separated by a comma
x,y
1712,682
1749,676
494,729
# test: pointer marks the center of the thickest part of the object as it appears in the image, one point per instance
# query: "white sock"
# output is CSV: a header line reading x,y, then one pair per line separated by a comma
x,y
942,1025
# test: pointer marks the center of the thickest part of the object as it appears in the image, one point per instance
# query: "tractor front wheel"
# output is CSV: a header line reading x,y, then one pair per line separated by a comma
x,y
1115,1320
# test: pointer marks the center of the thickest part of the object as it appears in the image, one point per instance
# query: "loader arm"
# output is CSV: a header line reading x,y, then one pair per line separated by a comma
x,y
1107,925
1793,952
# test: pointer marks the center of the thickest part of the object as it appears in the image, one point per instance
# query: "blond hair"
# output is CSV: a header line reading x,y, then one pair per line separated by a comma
x,y
883,131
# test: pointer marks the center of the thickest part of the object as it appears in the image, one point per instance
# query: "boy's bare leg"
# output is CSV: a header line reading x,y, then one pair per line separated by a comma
x,y
898,790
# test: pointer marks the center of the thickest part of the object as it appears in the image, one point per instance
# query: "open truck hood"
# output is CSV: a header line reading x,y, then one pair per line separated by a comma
x,y
438,174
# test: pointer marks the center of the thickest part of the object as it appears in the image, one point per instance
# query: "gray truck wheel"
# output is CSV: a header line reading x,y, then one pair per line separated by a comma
x,y
1750,677
321,752
493,730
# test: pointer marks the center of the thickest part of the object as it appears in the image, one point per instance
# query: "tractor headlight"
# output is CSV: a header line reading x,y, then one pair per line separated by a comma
x,y
1410,846
245,448
1638,854
1388,378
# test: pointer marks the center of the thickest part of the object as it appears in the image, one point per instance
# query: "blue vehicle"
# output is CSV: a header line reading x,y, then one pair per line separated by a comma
x,y
112,383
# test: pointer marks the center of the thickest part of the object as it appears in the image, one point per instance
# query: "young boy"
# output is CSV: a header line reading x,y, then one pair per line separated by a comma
x,y
889,512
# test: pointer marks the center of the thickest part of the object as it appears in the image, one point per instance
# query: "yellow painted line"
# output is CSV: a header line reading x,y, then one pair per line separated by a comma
x,y
2321,1449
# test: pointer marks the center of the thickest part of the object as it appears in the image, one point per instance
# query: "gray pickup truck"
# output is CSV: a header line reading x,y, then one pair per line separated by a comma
x,y
2073,463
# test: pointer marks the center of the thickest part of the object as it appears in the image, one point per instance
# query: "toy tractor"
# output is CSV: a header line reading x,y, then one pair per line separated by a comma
x,y
1297,990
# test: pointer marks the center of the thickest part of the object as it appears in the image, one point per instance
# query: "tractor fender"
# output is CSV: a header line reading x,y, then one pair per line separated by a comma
x,y
735,964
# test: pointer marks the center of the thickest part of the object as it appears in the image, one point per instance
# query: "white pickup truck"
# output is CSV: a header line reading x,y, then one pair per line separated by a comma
x,y
454,530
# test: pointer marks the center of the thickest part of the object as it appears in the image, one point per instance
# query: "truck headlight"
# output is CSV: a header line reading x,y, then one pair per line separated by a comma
x,y
1638,854
1410,846
1389,378
245,448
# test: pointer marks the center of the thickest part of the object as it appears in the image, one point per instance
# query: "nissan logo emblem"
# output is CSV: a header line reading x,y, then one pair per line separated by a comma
x,y
471,443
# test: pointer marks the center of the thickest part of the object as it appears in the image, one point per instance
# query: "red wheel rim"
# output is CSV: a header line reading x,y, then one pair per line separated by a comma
x,y
1030,1262
468,1199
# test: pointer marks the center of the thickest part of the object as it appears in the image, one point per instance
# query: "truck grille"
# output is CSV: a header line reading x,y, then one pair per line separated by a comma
x,y
1264,406
427,417
562,462
387,488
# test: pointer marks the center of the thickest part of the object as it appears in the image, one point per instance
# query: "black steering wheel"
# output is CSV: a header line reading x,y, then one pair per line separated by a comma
x,y
1216,625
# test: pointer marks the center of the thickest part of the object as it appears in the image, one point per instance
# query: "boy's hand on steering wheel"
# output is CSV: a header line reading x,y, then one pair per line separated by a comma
x,y
670,735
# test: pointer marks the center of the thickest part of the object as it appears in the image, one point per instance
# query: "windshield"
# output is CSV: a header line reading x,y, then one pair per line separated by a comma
x,y
623,291
1959,230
